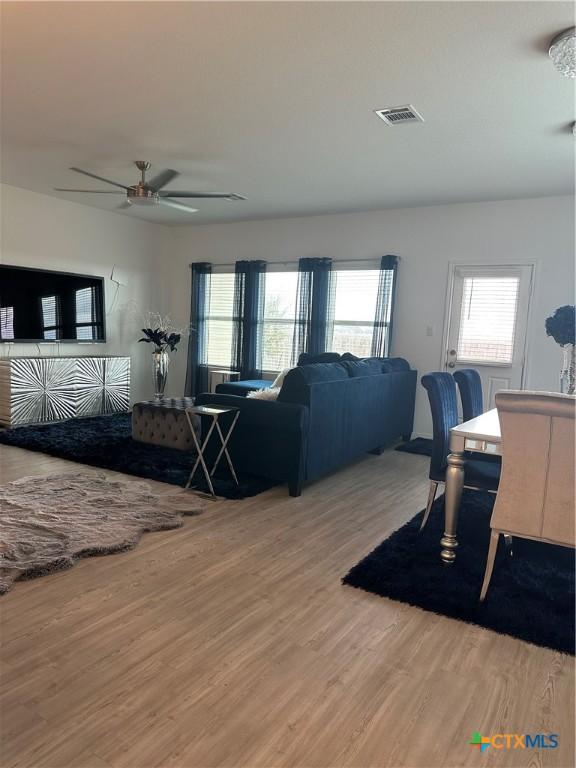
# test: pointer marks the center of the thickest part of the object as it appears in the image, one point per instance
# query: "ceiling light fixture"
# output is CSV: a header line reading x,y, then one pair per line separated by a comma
x,y
562,51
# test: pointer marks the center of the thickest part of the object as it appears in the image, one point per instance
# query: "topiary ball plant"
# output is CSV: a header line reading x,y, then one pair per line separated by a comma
x,y
562,325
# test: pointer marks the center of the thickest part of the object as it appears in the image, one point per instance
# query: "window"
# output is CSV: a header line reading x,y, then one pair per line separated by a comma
x,y
350,322
355,296
279,317
51,317
87,326
219,320
6,323
488,319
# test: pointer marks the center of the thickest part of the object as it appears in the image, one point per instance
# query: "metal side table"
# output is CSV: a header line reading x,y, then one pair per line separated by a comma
x,y
213,412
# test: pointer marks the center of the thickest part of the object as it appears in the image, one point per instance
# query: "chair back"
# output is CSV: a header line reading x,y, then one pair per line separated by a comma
x,y
536,493
441,390
470,386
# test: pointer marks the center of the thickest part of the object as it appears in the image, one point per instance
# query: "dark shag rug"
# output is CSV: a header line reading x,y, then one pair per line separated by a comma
x,y
106,442
420,445
531,594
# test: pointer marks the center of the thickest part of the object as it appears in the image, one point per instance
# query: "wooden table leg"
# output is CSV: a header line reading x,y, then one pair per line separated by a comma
x,y
453,494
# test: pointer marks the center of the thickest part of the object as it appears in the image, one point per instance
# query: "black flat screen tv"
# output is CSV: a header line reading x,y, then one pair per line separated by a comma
x,y
38,305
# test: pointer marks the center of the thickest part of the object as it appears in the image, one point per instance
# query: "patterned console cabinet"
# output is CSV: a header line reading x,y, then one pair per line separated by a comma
x,y
36,389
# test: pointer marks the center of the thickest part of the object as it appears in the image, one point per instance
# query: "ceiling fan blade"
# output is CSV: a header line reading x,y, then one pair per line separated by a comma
x,y
202,195
163,178
100,178
91,191
176,205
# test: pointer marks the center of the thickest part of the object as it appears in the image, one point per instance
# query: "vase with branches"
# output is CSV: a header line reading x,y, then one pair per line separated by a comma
x,y
165,339
561,326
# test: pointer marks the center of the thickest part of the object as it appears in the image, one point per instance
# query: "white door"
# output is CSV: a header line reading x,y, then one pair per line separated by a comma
x,y
488,316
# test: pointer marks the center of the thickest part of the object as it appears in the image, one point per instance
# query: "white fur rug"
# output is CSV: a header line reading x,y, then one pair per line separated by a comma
x,y
46,523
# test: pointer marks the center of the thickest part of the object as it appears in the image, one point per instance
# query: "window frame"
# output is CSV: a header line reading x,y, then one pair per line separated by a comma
x,y
272,268
490,362
526,267
353,267
371,264
219,318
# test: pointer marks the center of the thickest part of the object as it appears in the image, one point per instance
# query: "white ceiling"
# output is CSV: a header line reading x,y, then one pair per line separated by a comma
x,y
274,101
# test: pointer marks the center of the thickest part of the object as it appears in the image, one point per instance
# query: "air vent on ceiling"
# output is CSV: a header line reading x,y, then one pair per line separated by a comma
x,y
397,115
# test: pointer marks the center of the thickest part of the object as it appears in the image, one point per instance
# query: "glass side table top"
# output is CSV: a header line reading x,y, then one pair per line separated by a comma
x,y
211,410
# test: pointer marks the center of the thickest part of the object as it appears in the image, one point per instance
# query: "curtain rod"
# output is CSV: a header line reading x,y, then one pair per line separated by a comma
x,y
374,260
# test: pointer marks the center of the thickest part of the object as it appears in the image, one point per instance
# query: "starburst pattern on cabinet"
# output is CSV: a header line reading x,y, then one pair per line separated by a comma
x,y
54,388
116,385
103,385
42,389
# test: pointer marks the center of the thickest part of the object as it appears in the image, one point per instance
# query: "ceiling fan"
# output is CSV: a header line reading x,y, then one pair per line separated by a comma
x,y
150,192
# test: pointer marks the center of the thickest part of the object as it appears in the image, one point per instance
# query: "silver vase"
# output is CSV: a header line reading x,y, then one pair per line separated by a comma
x,y
568,372
160,362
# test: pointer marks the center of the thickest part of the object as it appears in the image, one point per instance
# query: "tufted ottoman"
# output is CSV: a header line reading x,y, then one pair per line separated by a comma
x,y
164,422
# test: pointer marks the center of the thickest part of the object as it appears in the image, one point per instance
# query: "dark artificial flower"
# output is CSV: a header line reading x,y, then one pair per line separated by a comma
x,y
562,325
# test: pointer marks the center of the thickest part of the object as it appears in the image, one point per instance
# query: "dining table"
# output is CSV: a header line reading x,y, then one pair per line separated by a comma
x,y
478,435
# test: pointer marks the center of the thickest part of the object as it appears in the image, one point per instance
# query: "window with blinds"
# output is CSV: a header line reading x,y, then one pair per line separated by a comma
x,y
219,320
488,319
87,324
279,318
6,323
51,323
85,314
355,296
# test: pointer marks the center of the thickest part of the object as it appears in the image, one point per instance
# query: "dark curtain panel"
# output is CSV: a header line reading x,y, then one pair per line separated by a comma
x,y
382,333
197,370
313,306
248,318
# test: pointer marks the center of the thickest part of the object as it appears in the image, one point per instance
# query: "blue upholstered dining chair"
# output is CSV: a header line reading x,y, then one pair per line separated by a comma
x,y
480,475
470,386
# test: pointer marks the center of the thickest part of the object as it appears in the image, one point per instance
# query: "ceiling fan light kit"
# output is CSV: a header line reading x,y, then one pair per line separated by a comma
x,y
562,51
152,192
142,196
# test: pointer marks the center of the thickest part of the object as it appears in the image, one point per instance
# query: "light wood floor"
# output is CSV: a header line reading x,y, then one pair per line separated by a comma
x,y
231,642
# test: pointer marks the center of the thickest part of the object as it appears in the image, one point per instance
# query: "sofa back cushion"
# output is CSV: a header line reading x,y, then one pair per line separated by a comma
x,y
387,364
394,364
295,388
323,357
358,368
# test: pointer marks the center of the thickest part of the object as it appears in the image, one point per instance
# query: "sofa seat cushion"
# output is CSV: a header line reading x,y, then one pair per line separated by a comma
x,y
242,387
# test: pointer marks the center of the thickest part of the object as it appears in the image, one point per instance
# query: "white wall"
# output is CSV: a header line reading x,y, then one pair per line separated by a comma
x,y
43,231
427,240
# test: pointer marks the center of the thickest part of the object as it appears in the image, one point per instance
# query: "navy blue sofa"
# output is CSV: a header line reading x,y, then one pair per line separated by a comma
x,y
326,415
